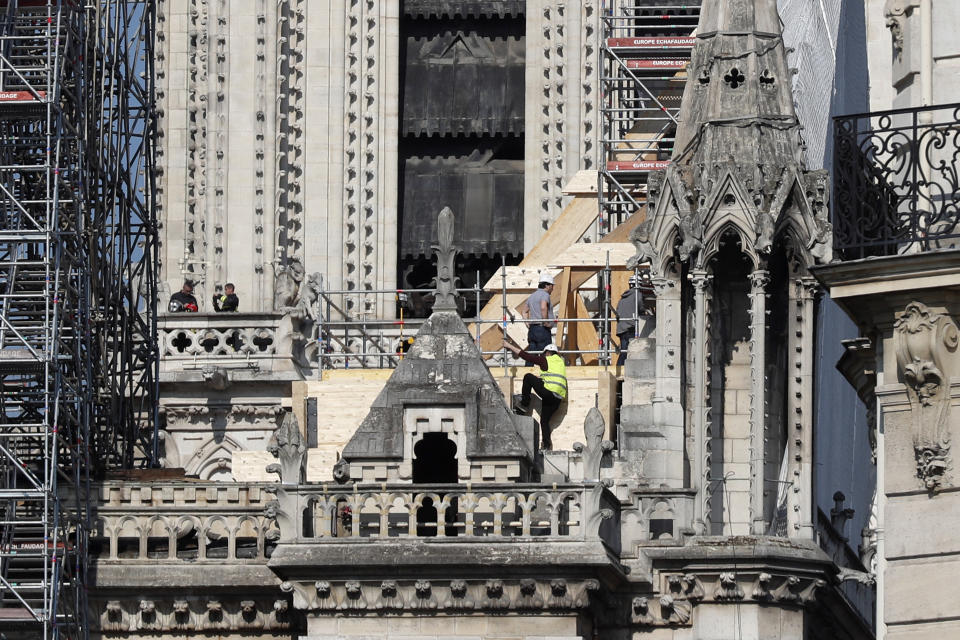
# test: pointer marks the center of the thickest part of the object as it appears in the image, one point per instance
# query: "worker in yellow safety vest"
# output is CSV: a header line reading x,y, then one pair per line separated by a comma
x,y
550,385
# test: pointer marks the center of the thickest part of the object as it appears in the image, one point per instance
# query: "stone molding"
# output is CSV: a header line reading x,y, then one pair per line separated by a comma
x,y
681,592
491,595
926,345
895,11
173,614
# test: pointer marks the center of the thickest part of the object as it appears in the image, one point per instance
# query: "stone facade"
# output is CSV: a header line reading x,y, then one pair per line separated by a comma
x,y
691,516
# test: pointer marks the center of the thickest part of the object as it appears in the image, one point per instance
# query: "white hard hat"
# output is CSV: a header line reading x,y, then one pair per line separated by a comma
x,y
546,277
551,347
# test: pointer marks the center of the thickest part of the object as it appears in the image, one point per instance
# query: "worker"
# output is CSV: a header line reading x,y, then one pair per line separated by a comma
x,y
227,301
629,309
183,300
540,309
550,386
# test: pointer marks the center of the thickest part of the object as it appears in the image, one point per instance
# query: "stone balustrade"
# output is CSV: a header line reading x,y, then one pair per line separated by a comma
x,y
575,512
185,336
232,346
189,522
184,522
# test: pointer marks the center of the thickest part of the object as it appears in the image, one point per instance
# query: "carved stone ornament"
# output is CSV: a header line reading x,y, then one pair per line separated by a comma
x,y
193,614
446,294
593,452
288,447
926,344
425,596
895,11
673,605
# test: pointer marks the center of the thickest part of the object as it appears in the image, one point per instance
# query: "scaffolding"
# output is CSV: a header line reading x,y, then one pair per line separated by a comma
x,y
646,46
78,356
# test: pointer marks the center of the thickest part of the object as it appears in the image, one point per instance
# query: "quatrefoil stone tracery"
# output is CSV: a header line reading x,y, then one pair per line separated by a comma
x,y
734,78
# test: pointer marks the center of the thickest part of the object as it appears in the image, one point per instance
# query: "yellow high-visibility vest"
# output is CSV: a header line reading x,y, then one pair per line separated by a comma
x,y
555,377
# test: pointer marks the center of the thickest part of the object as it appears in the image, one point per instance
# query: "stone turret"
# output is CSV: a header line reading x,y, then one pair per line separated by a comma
x,y
735,223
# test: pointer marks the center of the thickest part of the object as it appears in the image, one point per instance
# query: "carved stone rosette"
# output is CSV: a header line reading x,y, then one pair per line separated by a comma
x,y
926,344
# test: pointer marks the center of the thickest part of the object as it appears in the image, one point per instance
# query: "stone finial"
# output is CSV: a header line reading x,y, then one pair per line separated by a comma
x,y
593,430
286,444
446,295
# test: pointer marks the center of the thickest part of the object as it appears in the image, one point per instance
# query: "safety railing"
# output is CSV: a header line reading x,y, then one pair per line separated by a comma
x,y
896,182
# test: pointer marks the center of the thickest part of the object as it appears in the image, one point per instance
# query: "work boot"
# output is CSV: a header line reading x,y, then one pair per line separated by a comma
x,y
520,406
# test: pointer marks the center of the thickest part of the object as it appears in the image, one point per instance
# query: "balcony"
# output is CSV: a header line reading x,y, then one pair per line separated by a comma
x,y
196,346
896,182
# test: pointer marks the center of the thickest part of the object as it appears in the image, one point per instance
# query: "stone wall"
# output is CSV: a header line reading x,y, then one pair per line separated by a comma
x,y
435,628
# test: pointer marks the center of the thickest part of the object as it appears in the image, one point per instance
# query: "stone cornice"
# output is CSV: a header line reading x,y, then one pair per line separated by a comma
x,y
433,596
890,274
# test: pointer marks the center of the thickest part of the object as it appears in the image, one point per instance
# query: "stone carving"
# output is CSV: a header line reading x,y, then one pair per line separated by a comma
x,y
424,598
187,614
422,595
727,587
288,447
528,597
895,12
446,295
593,452
675,611
640,612
761,591
296,330
459,598
926,344
389,596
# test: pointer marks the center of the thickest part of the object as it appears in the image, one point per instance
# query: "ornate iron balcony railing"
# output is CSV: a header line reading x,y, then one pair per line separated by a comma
x,y
896,186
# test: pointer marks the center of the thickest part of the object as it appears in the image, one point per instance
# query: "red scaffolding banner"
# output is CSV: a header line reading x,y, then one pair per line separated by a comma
x,y
661,42
647,165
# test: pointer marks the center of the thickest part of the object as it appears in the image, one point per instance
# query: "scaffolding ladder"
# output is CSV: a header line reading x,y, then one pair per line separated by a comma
x,y
646,47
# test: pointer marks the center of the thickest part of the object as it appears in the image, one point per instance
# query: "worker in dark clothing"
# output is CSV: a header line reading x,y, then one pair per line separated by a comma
x,y
551,385
540,309
183,300
227,301
629,309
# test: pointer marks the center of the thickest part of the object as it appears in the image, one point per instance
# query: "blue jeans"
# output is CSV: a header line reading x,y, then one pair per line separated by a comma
x,y
538,336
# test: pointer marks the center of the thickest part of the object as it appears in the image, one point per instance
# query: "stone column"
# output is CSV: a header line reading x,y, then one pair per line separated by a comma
x,y
701,420
800,407
758,396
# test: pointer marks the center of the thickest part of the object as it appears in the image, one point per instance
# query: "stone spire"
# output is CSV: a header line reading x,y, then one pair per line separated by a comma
x,y
738,161
446,294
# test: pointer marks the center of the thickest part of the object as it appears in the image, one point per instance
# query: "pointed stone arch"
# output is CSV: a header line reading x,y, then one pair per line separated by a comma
x,y
212,457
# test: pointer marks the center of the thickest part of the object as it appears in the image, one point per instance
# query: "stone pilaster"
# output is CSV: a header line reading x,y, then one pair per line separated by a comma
x,y
758,410
701,418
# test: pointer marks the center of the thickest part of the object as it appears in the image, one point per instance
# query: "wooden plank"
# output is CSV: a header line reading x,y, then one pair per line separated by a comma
x,y
562,289
519,279
619,281
565,230
594,254
583,182
587,339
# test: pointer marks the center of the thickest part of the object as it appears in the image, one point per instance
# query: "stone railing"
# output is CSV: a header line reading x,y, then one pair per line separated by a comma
x,y
184,522
453,512
229,342
234,335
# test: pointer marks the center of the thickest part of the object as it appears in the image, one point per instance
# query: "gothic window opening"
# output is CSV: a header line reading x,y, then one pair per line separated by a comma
x,y
729,379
